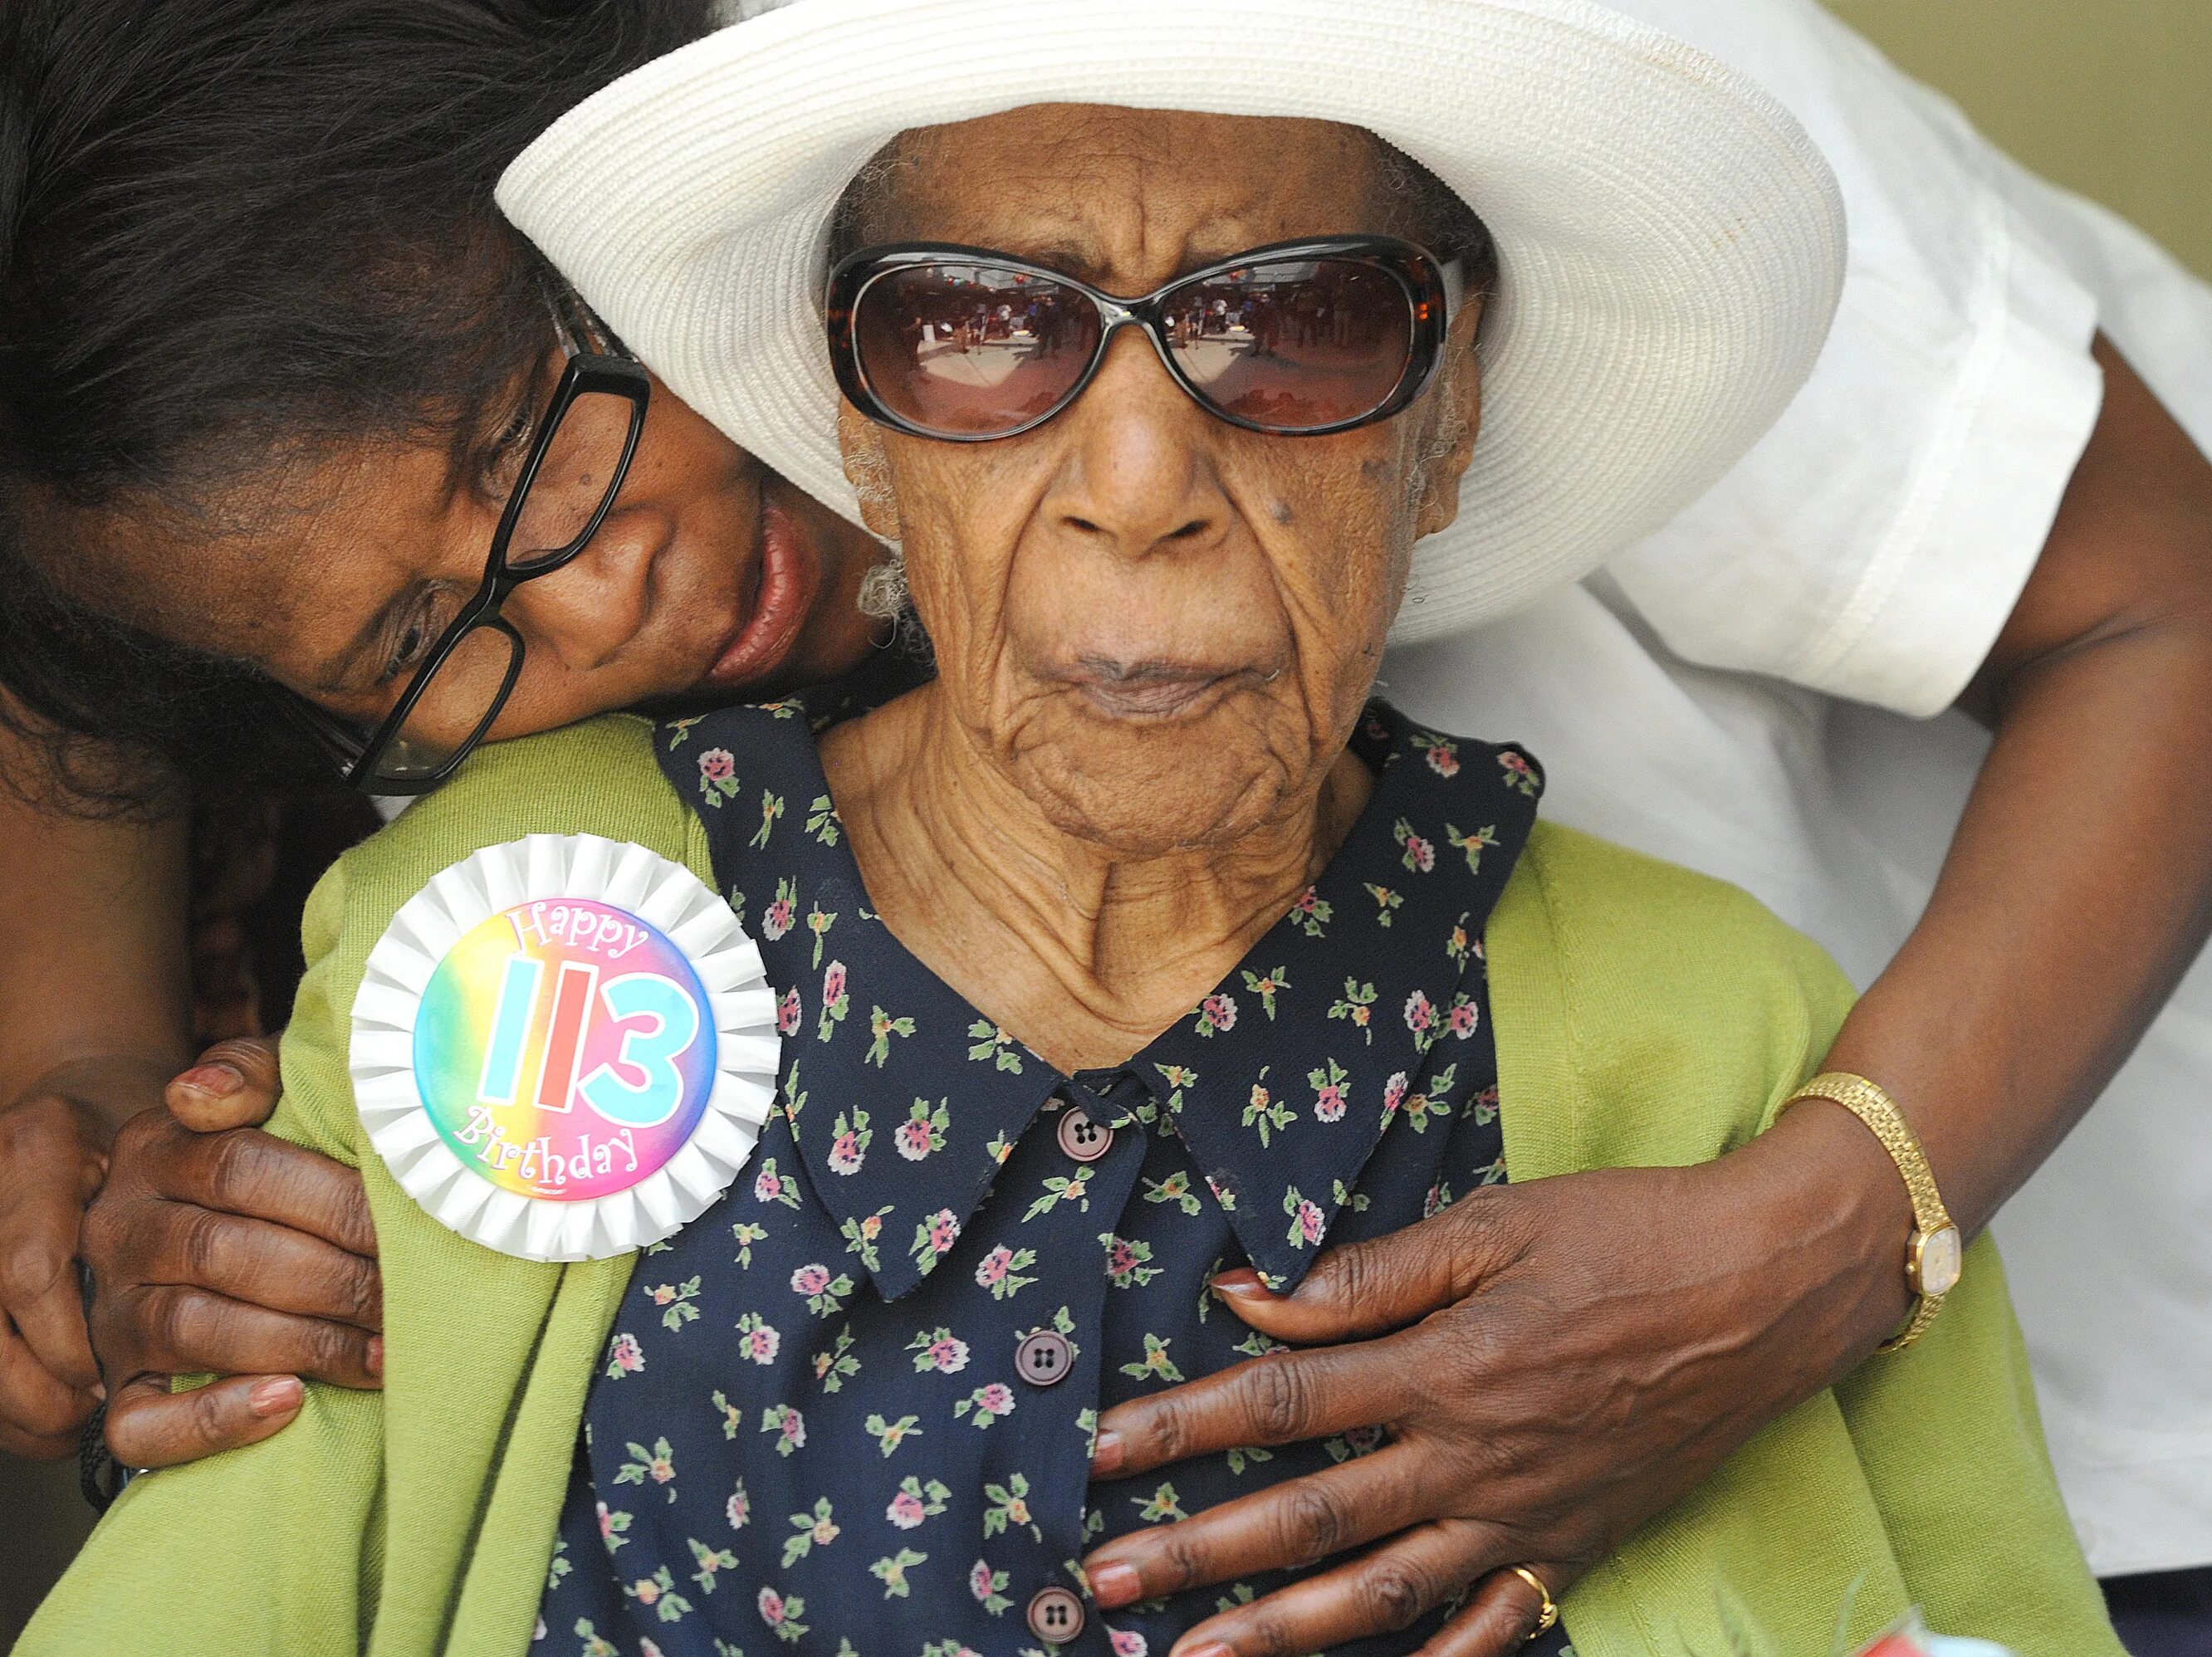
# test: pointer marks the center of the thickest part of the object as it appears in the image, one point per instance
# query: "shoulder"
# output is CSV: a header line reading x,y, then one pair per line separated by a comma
x,y
1607,900
595,778
1663,1015
598,778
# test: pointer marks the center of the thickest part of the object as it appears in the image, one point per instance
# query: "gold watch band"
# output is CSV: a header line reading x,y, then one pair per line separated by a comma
x,y
1932,1259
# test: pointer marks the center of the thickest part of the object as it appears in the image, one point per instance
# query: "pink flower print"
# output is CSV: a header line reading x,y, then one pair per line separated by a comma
x,y
1216,1012
995,1400
1328,1103
777,919
606,1525
1310,1221
761,1344
948,1354
1420,854
739,1510
906,1510
1127,1642
1394,1095
992,1267
771,1607
792,1428
1121,1259
629,1356
810,1280
833,983
914,1139
979,1580
768,1186
788,1013
1462,1018
1443,760
943,1231
718,765
646,1648
845,1153
1420,1013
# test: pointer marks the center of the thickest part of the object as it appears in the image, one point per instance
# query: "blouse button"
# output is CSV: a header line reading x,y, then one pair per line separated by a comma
x,y
1043,1359
1083,1139
1055,1615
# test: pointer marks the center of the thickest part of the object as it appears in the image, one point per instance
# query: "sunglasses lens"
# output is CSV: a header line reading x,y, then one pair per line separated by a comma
x,y
1295,345
968,350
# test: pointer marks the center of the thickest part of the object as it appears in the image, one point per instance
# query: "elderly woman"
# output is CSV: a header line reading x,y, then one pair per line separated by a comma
x,y
1139,951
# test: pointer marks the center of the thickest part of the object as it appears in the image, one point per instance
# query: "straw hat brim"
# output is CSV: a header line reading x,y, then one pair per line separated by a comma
x,y
1671,244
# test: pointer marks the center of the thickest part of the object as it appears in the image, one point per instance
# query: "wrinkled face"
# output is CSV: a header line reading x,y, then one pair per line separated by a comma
x,y
1159,627
336,576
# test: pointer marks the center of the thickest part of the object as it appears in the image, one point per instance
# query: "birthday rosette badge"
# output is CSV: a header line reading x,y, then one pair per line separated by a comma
x,y
564,1048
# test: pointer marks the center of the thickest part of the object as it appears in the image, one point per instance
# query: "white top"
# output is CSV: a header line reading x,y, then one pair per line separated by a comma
x,y
1871,549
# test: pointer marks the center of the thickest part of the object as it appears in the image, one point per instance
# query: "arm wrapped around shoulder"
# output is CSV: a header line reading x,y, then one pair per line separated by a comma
x,y
1650,1017
366,1512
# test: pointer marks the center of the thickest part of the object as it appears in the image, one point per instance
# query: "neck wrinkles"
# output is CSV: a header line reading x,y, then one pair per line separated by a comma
x,y
1084,953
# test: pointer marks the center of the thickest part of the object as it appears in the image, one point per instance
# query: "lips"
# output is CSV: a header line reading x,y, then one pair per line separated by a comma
x,y
1157,691
788,574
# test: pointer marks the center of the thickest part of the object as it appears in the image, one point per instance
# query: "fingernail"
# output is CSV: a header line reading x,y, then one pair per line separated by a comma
x,y
376,1355
1114,1585
99,1391
1242,1283
219,1080
1106,1453
1210,1648
275,1396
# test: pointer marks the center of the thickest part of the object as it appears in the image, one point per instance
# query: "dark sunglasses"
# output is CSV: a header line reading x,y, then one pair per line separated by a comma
x,y
1297,339
575,468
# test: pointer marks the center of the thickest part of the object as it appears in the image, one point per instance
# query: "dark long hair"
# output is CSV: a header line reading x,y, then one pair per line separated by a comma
x,y
234,232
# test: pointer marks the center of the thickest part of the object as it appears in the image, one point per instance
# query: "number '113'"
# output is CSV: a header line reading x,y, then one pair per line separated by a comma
x,y
668,1024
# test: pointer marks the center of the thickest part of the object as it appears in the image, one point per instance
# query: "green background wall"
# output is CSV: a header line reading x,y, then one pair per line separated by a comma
x,y
2112,98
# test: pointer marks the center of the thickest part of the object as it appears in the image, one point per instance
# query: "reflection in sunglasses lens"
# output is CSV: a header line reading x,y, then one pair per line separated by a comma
x,y
1295,345
967,349
1289,345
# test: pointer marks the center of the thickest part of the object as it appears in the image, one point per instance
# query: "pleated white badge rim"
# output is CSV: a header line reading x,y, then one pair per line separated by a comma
x,y
692,917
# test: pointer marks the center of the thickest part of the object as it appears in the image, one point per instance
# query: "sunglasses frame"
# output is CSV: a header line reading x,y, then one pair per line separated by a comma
x,y
1433,289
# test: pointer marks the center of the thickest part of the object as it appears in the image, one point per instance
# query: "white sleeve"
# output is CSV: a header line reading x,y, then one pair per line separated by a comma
x,y
1873,544
2149,303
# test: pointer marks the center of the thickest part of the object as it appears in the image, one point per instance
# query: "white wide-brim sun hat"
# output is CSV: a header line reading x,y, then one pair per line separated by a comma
x,y
1670,242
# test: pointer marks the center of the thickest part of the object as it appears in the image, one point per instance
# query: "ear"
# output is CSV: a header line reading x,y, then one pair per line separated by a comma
x,y
1456,422
868,469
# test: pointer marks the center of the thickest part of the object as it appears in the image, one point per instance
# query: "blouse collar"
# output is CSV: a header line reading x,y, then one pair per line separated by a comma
x,y
903,1099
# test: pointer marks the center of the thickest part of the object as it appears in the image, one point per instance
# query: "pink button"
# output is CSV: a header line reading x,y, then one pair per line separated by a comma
x,y
1083,1139
1055,1615
1044,1358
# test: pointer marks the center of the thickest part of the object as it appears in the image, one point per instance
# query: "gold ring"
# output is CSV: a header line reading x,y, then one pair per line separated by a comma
x,y
1548,1618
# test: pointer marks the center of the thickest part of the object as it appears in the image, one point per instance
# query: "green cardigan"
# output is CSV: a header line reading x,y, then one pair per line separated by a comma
x,y
1645,1016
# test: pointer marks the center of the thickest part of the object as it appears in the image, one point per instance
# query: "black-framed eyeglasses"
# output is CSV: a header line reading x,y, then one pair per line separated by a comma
x,y
1295,339
570,475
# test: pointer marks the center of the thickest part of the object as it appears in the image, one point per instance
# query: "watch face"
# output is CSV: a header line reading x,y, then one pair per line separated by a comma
x,y
1937,1257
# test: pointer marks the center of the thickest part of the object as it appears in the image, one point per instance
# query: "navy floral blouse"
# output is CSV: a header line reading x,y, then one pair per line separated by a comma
x,y
849,1410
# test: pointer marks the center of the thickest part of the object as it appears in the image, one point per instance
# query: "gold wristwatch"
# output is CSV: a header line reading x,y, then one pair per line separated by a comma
x,y
1936,1253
